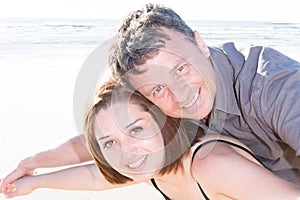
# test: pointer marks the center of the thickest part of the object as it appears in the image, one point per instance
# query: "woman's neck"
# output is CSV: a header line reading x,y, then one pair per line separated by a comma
x,y
180,184
183,173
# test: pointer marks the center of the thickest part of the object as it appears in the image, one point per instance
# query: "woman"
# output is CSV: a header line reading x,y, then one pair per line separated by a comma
x,y
132,141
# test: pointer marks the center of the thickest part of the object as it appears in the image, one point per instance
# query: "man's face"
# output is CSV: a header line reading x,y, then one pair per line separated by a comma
x,y
180,79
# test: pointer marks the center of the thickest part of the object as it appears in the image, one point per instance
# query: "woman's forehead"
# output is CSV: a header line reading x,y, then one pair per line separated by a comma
x,y
121,113
120,118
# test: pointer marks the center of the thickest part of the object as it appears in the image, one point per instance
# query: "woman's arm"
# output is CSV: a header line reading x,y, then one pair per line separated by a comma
x,y
223,170
71,152
86,177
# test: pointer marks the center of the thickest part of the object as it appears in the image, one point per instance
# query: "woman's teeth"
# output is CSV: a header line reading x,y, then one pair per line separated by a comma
x,y
137,163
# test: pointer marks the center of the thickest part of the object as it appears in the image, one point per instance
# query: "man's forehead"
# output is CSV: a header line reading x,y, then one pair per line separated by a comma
x,y
175,38
165,60
153,75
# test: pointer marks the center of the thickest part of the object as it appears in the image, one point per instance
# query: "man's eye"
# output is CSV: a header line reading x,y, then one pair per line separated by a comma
x,y
158,89
180,69
136,130
109,144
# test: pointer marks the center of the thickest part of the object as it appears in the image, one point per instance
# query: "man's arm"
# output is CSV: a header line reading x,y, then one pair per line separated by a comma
x,y
282,106
71,152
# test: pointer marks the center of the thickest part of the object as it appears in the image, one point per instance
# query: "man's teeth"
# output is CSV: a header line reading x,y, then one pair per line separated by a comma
x,y
193,100
137,163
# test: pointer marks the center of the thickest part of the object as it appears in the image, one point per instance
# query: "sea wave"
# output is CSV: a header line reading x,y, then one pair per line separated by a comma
x,y
92,32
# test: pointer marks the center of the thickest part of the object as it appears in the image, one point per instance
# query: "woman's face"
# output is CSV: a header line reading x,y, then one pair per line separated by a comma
x,y
130,140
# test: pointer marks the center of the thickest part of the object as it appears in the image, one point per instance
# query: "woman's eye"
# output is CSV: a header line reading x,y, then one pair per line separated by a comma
x,y
158,89
109,144
180,69
136,130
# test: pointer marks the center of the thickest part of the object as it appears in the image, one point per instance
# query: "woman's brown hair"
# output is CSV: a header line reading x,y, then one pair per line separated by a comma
x,y
178,134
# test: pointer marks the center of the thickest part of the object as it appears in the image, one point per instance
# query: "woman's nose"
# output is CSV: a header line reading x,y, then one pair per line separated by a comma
x,y
129,144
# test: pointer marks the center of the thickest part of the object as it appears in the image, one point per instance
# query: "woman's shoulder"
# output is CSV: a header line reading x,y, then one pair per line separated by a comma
x,y
214,158
218,141
215,152
211,145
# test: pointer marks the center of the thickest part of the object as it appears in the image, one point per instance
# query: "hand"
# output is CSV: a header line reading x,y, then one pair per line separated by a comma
x,y
20,187
25,167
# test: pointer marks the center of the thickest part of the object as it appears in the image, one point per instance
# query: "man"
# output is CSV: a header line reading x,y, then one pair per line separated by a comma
x,y
249,93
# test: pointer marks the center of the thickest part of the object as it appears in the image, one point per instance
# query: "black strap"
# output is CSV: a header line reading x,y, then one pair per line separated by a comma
x,y
202,191
155,185
167,198
227,142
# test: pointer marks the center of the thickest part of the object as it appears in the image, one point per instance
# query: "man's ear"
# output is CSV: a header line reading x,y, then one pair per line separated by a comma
x,y
201,44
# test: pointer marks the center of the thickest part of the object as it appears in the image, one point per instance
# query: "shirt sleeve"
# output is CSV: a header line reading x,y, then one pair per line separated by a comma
x,y
281,97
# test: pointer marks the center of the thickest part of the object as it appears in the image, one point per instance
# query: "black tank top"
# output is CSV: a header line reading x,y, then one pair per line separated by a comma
x,y
196,150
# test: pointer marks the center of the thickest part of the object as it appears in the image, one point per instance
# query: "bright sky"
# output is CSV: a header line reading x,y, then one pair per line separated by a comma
x,y
264,10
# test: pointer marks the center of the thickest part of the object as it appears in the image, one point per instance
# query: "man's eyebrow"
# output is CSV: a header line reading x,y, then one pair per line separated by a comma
x,y
133,123
148,90
177,63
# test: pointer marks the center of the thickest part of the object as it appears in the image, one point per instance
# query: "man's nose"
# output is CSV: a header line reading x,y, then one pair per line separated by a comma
x,y
181,89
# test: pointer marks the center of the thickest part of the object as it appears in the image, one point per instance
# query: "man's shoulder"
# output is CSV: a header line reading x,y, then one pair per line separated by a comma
x,y
253,59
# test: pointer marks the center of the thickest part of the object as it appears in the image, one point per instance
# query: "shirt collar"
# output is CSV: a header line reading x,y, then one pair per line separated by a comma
x,y
225,96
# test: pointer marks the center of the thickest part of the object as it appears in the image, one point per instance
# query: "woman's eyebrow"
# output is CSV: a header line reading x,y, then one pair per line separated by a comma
x,y
104,137
133,123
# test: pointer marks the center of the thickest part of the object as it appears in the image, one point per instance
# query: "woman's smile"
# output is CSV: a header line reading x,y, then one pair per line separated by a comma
x,y
137,164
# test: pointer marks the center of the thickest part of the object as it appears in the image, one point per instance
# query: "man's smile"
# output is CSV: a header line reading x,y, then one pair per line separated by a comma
x,y
194,100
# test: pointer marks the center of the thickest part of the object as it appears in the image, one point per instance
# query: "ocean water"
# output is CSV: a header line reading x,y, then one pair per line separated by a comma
x,y
21,35
40,60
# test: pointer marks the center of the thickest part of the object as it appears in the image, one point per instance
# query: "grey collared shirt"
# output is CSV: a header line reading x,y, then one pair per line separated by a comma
x,y
258,102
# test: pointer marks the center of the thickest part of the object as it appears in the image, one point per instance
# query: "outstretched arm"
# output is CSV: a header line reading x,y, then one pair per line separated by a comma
x,y
224,170
71,152
85,177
